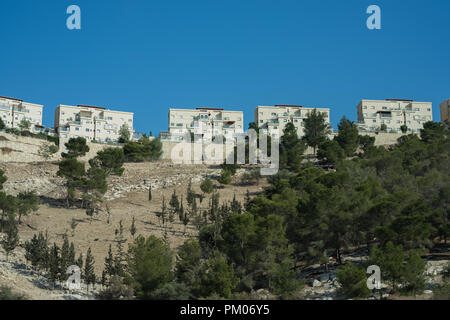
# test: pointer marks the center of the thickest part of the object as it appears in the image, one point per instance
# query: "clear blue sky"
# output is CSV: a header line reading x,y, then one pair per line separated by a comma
x,y
146,56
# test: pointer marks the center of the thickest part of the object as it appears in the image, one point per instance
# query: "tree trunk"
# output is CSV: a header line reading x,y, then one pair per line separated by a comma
x,y
338,256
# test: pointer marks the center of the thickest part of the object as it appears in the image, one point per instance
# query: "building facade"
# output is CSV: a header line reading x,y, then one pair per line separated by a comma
x,y
91,123
203,121
393,113
275,118
13,111
445,110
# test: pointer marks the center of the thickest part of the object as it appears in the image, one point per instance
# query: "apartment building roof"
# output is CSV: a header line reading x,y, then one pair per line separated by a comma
x,y
406,100
206,108
9,98
393,100
292,106
203,109
288,105
88,106
95,107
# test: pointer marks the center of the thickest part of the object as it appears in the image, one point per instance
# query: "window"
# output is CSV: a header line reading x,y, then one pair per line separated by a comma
x,y
77,129
87,129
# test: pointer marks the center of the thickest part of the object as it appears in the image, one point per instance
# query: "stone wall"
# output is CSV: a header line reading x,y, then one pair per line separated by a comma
x,y
384,138
167,148
25,149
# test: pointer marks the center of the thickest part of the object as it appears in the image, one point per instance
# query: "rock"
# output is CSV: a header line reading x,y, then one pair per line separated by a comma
x,y
316,283
324,277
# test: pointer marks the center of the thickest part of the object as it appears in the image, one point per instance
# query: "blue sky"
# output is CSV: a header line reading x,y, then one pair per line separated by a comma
x,y
146,56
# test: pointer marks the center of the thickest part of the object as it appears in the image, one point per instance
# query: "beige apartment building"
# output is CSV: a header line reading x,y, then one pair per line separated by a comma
x,y
394,113
445,110
13,111
202,121
275,118
91,123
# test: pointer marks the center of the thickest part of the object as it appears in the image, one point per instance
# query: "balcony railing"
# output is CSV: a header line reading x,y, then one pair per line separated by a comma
x,y
24,110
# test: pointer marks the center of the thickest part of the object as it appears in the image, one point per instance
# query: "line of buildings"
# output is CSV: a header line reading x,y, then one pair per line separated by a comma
x,y
103,125
90,122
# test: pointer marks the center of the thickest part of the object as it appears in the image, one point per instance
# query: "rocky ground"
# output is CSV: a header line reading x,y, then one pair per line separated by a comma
x,y
17,274
127,197
323,285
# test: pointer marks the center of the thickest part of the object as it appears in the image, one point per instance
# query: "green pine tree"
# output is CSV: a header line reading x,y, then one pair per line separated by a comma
x,y
89,272
12,235
133,227
54,263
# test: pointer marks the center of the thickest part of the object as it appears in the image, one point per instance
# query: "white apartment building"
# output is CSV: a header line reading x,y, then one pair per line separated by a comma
x,y
275,118
201,121
13,111
445,110
394,113
91,123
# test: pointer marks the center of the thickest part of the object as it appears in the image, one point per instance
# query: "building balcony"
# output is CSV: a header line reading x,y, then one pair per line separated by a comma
x,y
21,110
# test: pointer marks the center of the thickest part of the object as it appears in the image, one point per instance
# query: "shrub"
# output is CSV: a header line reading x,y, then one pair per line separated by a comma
x,y
207,186
116,290
442,292
251,178
172,291
353,280
7,294
225,177
142,150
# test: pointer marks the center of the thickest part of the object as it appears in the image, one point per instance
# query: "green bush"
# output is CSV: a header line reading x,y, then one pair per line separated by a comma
x,y
207,186
142,150
225,177
442,292
7,294
353,280
172,291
